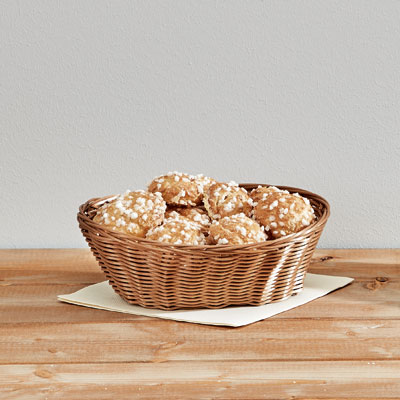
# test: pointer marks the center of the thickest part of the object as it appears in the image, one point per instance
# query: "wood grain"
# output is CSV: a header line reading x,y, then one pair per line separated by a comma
x,y
220,380
366,263
343,345
72,266
48,259
362,299
49,266
155,340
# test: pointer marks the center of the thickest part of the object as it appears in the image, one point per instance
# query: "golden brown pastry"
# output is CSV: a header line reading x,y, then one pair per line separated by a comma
x,y
225,199
236,229
132,212
262,192
283,213
178,230
204,182
178,189
194,214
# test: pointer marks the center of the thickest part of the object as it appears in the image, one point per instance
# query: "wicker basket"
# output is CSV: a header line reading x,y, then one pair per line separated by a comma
x,y
170,277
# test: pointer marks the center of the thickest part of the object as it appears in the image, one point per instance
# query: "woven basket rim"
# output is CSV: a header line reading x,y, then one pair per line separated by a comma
x,y
268,244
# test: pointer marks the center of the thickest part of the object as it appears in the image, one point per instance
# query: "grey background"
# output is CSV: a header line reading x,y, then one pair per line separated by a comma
x,y
97,97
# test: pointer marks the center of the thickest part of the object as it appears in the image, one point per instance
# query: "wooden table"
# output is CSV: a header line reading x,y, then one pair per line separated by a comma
x,y
344,345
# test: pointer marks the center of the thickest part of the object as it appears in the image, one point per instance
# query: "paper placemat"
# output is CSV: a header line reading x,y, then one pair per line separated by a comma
x,y
102,296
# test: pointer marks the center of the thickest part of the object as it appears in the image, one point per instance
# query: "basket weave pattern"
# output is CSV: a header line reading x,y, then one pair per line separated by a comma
x,y
170,277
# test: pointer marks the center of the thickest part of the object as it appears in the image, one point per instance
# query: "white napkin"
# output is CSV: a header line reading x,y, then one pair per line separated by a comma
x,y
102,296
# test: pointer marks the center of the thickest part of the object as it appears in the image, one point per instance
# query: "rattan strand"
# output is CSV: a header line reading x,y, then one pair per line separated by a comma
x,y
170,277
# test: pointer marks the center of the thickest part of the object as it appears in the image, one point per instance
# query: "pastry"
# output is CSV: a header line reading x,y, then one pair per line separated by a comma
x,y
224,219
262,192
283,213
236,229
204,182
132,212
178,189
195,214
225,199
178,230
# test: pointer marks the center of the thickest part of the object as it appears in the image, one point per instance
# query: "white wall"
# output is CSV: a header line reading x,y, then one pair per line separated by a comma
x,y
100,96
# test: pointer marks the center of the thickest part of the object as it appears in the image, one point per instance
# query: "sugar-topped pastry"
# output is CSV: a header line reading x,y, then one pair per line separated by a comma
x,y
178,189
236,229
195,214
204,182
178,230
262,192
283,213
132,212
224,199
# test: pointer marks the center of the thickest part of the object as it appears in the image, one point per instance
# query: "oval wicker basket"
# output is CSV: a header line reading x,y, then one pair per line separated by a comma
x,y
169,277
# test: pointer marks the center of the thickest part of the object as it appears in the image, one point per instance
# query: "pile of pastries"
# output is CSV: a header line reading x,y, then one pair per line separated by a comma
x,y
179,208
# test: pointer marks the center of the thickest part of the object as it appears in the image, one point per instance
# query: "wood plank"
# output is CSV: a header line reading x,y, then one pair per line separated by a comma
x,y
70,277
344,345
81,259
372,256
72,266
365,263
49,266
250,380
48,259
54,277
57,312
362,299
59,277
155,340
